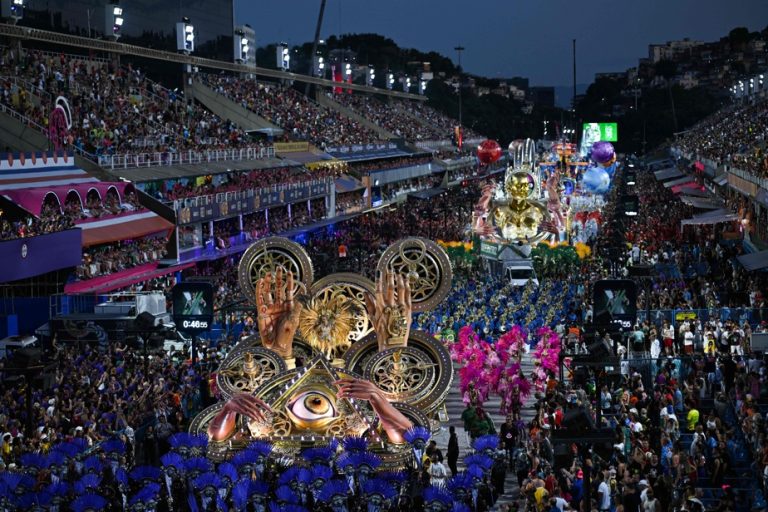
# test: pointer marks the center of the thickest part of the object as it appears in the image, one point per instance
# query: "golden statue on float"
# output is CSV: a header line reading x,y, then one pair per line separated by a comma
x,y
336,357
509,214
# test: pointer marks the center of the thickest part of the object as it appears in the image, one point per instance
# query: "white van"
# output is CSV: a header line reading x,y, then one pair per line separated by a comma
x,y
519,275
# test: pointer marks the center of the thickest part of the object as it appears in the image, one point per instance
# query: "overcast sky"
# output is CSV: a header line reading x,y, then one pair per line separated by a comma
x,y
505,38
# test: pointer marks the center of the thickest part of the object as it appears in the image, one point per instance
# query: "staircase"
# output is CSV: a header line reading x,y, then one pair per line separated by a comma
x,y
455,407
225,108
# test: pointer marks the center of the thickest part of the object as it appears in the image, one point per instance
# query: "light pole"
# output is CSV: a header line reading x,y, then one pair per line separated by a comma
x,y
459,49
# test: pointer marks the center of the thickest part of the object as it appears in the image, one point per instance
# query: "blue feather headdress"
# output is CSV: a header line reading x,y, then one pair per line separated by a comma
x,y
32,460
93,465
228,472
344,460
318,455
377,486
55,460
33,501
121,477
487,442
434,493
197,465
295,474
394,478
331,489
146,494
207,480
262,448
88,482
459,507
245,458
113,446
59,489
369,459
17,482
173,460
475,472
240,494
145,474
88,503
285,507
355,444
285,494
478,459
460,481
417,432
69,449
323,473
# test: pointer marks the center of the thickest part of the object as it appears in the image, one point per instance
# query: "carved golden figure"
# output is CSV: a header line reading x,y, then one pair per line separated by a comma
x,y
518,218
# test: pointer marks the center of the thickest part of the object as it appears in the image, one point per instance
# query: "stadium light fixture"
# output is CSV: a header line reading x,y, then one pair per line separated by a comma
x,y
283,55
185,36
422,87
13,10
348,69
369,78
242,46
113,20
390,81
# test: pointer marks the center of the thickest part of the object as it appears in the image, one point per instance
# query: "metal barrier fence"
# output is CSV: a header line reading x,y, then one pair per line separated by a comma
x,y
132,161
753,316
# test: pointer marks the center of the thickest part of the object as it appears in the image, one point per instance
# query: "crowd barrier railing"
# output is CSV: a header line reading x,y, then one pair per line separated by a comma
x,y
157,159
753,316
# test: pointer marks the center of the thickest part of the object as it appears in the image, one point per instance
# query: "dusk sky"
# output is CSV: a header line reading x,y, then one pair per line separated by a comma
x,y
505,38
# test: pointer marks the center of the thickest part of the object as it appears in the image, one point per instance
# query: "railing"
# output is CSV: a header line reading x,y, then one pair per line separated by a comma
x,y
132,161
235,195
674,316
748,176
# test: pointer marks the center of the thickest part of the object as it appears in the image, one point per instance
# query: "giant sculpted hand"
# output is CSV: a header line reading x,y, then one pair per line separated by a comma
x,y
390,310
278,312
223,424
392,421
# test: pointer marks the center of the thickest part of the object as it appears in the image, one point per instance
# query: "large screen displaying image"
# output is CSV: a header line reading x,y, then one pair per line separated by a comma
x,y
615,301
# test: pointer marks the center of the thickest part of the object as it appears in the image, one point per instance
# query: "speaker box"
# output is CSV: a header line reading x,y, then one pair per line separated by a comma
x,y
577,421
599,349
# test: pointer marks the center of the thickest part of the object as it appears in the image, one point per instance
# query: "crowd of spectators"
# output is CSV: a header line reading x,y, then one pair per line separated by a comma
x,y
734,136
300,117
364,167
182,188
118,256
443,124
393,119
113,110
50,221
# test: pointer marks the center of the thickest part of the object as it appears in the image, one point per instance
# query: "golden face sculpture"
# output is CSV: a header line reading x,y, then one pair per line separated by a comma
x,y
518,186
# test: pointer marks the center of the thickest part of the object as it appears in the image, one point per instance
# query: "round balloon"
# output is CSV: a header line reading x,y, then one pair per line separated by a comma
x,y
596,180
602,152
610,163
488,152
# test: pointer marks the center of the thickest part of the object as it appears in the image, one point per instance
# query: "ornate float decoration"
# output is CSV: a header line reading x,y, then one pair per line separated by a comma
x,y
334,358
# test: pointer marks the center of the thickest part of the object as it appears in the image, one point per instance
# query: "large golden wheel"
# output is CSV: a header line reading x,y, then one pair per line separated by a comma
x,y
246,368
354,287
427,267
267,255
419,374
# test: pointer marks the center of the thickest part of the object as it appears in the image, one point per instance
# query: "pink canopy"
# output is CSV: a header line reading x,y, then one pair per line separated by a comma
x,y
32,199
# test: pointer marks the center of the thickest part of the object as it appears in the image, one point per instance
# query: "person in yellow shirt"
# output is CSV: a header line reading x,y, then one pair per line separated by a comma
x,y
692,418
542,498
